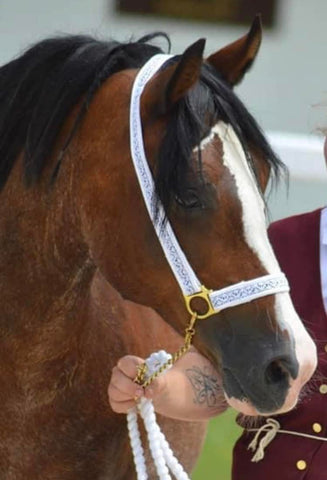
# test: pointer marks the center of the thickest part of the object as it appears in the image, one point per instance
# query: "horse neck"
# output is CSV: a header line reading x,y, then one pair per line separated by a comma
x,y
43,262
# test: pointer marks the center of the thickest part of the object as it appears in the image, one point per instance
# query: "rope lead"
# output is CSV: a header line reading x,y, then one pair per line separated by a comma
x,y
162,455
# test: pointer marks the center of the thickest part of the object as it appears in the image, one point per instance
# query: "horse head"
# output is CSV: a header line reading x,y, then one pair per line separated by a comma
x,y
211,165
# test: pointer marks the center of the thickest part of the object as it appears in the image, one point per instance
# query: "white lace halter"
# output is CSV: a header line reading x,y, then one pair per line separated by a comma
x,y
190,285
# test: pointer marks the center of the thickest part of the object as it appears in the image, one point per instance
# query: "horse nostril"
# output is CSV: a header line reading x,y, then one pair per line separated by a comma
x,y
276,372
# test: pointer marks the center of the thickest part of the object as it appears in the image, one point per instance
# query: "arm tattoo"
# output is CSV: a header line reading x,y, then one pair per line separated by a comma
x,y
205,385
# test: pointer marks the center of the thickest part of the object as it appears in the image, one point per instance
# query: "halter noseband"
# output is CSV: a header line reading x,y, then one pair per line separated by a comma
x,y
190,285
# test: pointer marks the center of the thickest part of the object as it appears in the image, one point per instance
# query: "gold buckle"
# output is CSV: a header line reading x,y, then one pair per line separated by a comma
x,y
204,295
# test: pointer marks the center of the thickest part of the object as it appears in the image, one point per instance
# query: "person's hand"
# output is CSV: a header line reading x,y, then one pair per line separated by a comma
x,y
123,392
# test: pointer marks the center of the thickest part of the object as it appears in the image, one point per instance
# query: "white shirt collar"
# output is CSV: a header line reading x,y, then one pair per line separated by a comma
x,y
323,226
323,255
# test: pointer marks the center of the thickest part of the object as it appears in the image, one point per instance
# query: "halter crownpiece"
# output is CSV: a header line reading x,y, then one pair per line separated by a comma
x,y
190,285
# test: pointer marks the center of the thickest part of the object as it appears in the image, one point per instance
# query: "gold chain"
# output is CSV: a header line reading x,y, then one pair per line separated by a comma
x,y
141,370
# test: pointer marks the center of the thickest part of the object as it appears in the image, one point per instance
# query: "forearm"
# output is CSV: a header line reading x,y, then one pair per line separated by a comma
x,y
193,390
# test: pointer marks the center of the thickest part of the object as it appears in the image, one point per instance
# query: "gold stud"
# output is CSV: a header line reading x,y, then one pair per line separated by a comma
x,y
316,427
323,389
325,348
301,465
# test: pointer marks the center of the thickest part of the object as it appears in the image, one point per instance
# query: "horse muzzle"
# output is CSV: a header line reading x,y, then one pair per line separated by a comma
x,y
262,384
265,378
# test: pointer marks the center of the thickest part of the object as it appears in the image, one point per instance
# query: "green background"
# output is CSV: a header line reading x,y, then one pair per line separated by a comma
x,y
216,458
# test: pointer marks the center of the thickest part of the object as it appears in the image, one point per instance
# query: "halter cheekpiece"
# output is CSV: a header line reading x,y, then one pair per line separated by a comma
x,y
190,285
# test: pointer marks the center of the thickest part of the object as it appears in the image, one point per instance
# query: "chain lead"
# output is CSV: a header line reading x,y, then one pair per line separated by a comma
x,y
141,370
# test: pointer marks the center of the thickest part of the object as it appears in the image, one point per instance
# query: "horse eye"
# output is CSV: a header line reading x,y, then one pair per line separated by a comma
x,y
189,200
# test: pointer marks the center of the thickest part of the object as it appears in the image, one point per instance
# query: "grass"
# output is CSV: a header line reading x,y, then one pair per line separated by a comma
x,y
216,458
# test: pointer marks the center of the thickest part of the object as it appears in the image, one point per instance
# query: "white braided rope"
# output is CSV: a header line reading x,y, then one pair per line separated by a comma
x,y
136,444
163,457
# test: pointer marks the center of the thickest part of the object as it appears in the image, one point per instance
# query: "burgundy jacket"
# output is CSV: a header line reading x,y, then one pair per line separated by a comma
x,y
296,244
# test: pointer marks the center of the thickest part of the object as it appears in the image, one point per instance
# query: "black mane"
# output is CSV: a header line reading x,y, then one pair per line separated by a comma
x,y
39,89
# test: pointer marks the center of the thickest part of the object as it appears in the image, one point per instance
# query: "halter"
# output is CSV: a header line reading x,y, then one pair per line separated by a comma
x,y
216,300
190,285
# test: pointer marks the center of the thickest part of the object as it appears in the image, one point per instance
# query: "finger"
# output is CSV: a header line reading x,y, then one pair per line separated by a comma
x,y
156,387
124,384
115,395
122,407
128,365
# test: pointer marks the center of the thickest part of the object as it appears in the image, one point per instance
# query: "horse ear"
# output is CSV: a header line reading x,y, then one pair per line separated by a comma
x,y
172,83
186,73
235,59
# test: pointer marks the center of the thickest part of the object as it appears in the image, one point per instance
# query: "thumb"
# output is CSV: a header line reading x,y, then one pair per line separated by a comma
x,y
156,388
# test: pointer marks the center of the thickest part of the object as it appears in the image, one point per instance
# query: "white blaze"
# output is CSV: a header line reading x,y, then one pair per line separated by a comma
x,y
255,235
253,209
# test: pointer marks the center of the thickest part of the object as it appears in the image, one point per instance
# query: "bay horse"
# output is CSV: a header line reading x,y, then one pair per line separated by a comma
x,y
83,279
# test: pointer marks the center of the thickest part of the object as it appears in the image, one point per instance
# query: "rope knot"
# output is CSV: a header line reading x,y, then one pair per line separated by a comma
x,y
270,428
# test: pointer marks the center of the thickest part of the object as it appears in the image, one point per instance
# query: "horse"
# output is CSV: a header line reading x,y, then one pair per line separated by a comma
x,y
82,275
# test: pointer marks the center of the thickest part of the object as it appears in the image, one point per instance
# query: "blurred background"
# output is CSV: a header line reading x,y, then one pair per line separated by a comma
x,y
286,91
